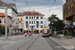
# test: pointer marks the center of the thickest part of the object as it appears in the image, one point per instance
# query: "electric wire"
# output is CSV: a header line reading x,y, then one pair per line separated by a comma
x,y
51,7
27,4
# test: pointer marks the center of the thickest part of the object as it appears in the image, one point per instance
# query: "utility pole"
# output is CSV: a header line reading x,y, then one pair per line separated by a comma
x,y
2,7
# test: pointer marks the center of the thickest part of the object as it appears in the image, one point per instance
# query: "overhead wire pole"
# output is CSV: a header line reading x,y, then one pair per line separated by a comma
x,y
28,23
2,7
51,7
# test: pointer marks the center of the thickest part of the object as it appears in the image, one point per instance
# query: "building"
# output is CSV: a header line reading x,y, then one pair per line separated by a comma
x,y
69,13
33,20
12,12
21,22
2,21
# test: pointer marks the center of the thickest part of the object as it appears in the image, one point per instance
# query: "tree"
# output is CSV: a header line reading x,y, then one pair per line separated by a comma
x,y
56,23
59,25
53,17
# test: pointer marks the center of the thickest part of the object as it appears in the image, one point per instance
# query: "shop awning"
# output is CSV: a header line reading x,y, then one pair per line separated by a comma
x,y
68,16
37,21
27,21
32,25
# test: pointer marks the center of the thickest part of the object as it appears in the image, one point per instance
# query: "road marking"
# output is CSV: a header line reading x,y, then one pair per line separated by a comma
x,y
7,41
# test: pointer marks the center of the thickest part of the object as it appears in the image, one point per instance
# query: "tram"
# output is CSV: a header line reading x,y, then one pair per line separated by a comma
x,y
45,32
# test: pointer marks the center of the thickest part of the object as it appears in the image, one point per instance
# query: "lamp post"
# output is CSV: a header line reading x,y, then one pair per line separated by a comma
x,y
2,7
28,27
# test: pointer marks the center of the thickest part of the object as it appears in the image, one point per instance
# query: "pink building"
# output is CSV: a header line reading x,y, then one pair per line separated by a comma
x,y
2,21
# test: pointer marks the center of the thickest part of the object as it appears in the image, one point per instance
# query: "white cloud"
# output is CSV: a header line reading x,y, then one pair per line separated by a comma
x,y
44,10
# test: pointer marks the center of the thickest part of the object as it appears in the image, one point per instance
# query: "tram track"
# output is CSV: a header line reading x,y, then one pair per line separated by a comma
x,y
53,44
33,40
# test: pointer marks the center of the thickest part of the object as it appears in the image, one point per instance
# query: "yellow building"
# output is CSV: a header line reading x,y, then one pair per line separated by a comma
x,y
21,22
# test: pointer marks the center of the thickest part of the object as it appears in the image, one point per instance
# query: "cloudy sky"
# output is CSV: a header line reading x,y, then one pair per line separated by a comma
x,y
42,6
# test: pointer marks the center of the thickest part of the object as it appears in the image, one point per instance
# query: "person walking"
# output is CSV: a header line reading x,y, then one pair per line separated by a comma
x,y
25,34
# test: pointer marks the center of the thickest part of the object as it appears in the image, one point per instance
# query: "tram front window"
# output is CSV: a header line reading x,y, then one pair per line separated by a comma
x,y
45,31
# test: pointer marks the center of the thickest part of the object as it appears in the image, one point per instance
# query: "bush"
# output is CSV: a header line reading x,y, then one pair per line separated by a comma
x,y
2,29
59,32
68,33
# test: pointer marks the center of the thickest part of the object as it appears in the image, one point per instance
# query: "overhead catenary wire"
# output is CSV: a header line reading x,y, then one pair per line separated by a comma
x,y
27,4
51,7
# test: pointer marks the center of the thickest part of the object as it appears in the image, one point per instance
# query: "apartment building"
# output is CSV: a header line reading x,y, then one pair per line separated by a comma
x,y
12,12
69,14
21,22
2,21
33,20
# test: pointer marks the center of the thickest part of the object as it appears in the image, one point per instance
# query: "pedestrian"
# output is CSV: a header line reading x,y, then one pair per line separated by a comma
x,y
25,34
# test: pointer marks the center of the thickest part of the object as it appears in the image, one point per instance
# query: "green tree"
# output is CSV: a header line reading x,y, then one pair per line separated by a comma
x,y
56,23
59,25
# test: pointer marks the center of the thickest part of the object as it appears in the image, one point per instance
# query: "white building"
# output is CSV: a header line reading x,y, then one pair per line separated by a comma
x,y
12,12
33,20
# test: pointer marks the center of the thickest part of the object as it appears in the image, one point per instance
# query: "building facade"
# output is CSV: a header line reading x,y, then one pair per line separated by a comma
x,y
33,21
69,14
12,12
2,21
21,22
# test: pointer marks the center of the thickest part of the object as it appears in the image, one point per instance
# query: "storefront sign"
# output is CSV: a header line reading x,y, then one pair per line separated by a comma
x,y
73,23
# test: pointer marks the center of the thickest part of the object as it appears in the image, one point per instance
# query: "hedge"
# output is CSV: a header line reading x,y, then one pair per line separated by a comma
x,y
2,29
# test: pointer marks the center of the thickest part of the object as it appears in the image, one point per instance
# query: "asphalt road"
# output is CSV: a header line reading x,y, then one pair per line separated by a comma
x,y
35,42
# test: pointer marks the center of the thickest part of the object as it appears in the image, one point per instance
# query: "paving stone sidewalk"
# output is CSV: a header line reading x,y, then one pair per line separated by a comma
x,y
67,42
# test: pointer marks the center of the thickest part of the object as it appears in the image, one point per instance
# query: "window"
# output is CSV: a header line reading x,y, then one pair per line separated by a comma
x,y
41,26
34,13
26,13
37,17
41,17
37,13
32,22
21,19
18,19
26,17
29,13
32,17
4,20
26,26
37,26
0,21
41,22
29,17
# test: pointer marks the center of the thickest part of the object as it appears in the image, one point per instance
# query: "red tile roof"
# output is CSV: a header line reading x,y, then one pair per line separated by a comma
x,y
32,13
2,14
4,4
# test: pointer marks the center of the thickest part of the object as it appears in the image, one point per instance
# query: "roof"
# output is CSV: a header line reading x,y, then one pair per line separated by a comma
x,y
32,13
2,14
4,4
12,4
9,5
20,14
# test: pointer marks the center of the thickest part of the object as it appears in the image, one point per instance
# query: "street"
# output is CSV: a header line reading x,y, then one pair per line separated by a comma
x,y
35,42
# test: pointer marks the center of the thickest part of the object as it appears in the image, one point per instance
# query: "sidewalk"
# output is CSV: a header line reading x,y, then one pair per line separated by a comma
x,y
67,42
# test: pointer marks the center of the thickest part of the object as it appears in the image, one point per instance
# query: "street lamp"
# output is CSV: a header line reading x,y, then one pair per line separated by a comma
x,y
2,7
28,27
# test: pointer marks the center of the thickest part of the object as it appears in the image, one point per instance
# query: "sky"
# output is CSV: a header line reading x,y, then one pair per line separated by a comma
x,y
42,6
